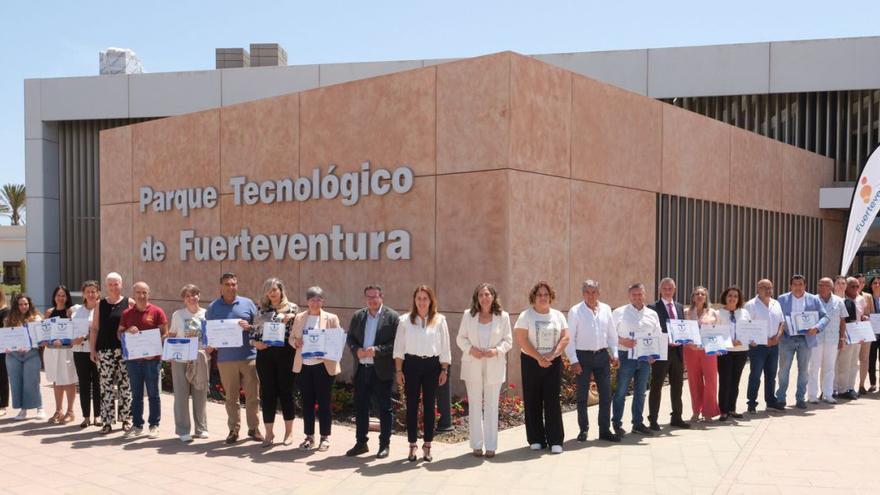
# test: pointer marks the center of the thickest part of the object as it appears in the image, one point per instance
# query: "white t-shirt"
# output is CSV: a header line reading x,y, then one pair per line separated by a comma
x,y
311,323
550,324
187,324
80,311
484,332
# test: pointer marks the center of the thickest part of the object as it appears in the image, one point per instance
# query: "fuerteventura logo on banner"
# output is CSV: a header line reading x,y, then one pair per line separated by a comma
x,y
865,203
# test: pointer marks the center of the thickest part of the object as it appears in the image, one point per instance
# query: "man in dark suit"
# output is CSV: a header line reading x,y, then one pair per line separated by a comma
x,y
371,340
667,309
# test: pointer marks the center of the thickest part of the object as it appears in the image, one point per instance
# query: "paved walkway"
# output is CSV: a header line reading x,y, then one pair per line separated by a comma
x,y
823,450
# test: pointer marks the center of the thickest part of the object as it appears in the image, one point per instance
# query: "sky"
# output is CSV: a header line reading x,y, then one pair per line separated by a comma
x,y
63,38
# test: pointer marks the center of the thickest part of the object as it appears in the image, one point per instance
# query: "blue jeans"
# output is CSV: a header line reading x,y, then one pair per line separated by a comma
x,y
144,372
24,376
630,369
763,360
788,348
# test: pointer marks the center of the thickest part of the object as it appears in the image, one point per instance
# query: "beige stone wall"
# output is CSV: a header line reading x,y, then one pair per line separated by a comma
x,y
524,171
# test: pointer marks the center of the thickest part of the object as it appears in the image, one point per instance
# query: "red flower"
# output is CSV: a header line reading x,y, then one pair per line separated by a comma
x,y
511,386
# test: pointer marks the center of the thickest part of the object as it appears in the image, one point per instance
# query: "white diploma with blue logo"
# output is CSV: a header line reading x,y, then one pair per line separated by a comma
x,y
62,329
334,339
141,345
716,339
648,345
223,334
180,349
751,332
800,322
41,331
859,331
273,333
80,327
15,339
875,322
683,332
314,343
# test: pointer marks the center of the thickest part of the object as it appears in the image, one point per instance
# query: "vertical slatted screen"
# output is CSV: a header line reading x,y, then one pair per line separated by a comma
x,y
715,245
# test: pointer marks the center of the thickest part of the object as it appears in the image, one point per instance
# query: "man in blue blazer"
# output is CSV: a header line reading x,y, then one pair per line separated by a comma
x,y
797,300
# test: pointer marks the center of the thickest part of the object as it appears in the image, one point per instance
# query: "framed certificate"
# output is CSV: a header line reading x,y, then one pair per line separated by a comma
x,y
314,343
15,339
546,336
751,332
62,329
683,332
273,333
223,334
875,322
716,339
800,322
141,345
180,349
859,331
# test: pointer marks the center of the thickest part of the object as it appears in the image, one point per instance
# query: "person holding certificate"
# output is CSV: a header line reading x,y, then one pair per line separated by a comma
x,y
23,367
763,359
673,367
4,377
143,316
86,370
484,338
805,319
702,368
187,381
874,352
237,365
316,374
421,359
847,367
591,350
58,360
275,357
824,355
731,364
631,321
370,338
106,352
867,298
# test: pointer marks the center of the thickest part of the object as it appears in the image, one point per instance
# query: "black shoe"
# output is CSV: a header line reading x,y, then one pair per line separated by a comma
x,y
609,437
358,449
723,417
444,429
232,437
384,450
776,406
680,423
619,431
801,404
736,415
640,428
862,391
582,436
654,426
753,410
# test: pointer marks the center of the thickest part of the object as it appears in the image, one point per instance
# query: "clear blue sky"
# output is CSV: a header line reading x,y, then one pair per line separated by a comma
x,y
62,38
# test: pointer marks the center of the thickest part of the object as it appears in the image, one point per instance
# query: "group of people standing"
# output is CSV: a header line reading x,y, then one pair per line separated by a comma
x,y
413,351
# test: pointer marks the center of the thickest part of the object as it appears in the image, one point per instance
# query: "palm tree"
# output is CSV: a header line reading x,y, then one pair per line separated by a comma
x,y
12,200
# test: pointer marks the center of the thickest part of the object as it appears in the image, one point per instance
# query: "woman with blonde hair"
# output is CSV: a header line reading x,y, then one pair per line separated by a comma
x,y
86,370
702,368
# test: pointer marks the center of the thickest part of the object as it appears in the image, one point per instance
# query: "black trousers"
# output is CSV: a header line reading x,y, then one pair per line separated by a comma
x,y
421,376
674,369
597,364
89,384
314,386
368,386
274,367
872,362
543,413
730,370
4,382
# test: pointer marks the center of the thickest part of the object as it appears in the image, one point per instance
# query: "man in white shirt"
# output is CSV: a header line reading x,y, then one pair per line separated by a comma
x,y
591,350
847,368
824,356
764,359
629,321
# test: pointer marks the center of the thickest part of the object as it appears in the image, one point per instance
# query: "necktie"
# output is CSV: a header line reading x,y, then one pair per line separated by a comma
x,y
672,315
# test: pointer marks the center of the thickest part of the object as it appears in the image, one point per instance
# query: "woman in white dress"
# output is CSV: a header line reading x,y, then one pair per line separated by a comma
x,y
58,360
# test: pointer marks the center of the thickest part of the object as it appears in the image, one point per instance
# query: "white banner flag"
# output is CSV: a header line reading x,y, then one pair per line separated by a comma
x,y
865,203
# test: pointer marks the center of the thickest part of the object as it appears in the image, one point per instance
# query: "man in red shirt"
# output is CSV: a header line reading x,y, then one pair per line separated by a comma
x,y
143,316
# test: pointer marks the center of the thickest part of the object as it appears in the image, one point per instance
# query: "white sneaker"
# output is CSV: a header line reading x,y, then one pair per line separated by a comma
x,y
2,411
154,432
813,401
21,415
201,435
41,414
185,438
556,449
536,446
830,400
133,433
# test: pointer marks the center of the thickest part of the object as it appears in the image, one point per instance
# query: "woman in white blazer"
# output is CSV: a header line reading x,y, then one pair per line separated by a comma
x,y
484,339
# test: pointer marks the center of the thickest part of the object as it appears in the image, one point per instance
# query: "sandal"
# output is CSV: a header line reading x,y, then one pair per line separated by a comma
x,y
490,454
56,418
478,452
324,446
68,417
426,453
98,422
126,426
413,448
84,423
106,429
308,444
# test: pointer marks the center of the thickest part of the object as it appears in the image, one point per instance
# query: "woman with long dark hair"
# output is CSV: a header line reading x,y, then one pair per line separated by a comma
x,y
58,360
24,366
